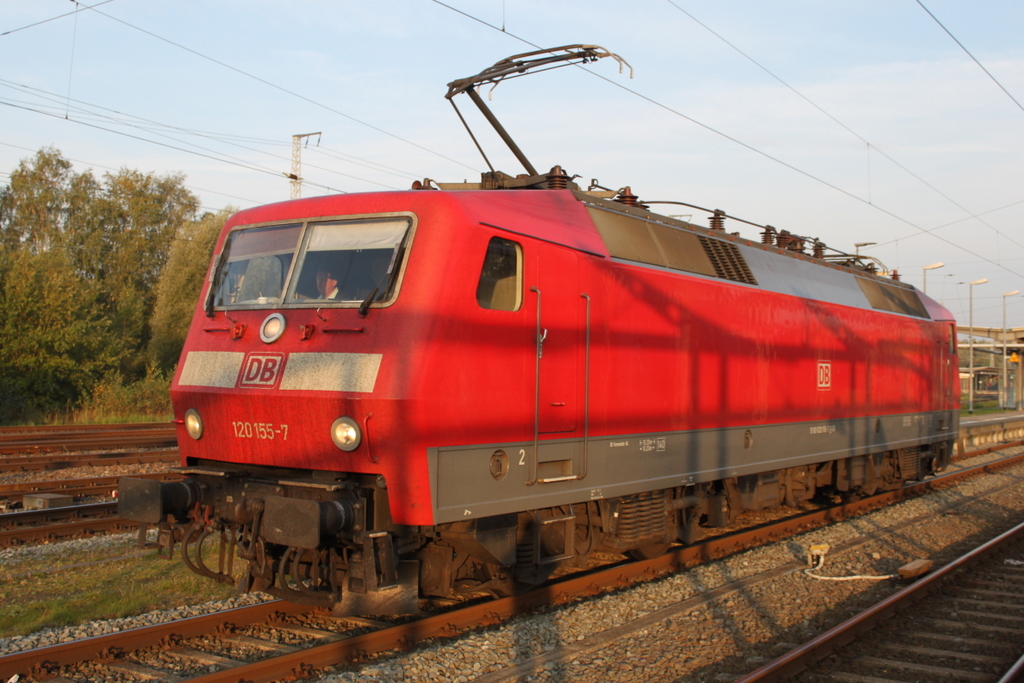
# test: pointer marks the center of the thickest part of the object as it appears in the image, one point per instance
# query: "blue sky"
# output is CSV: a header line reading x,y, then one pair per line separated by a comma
x,y
223,85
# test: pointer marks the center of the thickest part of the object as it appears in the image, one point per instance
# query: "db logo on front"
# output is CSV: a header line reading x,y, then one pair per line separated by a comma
x,y
261,370
824,375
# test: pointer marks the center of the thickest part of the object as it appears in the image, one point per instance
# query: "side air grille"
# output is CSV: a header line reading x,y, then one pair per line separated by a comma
x,y
728,262
634,239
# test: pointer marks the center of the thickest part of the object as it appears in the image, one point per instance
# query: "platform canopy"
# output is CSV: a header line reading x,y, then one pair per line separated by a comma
x,y
1013,335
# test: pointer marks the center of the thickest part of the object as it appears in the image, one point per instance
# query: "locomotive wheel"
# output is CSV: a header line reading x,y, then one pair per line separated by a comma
x,y
648,551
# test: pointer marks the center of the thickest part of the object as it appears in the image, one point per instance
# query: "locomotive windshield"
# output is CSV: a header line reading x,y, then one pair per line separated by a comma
x,y
257,264
348,261
345,262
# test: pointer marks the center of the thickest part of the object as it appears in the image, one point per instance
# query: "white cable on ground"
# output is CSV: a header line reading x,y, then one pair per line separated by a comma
x,y
816,556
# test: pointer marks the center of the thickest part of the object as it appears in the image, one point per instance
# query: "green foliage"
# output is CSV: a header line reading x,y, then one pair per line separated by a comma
x,y
112,400
35,207
987,407
139,216
180,284
75,585
80,261
56,341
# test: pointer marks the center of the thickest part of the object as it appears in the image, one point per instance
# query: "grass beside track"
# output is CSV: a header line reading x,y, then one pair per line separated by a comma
x,y
69,585
980,407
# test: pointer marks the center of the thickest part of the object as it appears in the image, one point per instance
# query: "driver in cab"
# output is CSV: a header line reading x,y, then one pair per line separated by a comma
x,y
326,284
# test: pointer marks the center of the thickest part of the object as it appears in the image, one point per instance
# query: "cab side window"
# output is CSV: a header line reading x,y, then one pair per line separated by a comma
x,y
501,279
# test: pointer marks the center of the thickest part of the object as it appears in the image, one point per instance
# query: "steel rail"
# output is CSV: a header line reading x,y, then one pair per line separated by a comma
x,y
73,429
33,463
93,441
357,648
85,486
47,658
49,438
491,612
57,532
32,526
801,657
25,517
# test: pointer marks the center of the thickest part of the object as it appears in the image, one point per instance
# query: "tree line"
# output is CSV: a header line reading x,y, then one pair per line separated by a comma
x,y
98,280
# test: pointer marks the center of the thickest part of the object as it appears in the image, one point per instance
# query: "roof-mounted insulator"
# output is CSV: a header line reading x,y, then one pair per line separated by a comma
x,y
718,220
558,179
895,275
790,242
819,249
626,196
768,235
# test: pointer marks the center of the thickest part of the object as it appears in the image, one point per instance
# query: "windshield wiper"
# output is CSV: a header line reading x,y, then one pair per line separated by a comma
x,y
363,307
222,263
389,275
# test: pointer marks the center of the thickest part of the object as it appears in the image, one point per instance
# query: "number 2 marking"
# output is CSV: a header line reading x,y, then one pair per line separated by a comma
x,y
522,456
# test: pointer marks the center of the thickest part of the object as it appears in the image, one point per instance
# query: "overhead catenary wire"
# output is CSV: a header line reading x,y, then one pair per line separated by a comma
x,y
968,52
251,167
156,128
93,164
739,142
227,138
916,230
79,7
280,88
269,83
823,111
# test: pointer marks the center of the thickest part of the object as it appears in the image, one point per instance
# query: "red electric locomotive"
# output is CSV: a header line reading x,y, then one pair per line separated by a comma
x,y
387,396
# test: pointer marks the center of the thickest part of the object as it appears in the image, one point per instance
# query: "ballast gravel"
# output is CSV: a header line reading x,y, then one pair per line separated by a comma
x,y
83,472
723,638
117,544
677,635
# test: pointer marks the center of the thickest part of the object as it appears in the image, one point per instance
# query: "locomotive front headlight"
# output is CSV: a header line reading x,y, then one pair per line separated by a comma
x,y
193,423
272,328
345,433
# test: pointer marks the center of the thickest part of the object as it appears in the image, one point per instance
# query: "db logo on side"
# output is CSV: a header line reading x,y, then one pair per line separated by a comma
x,y
824,375
261,370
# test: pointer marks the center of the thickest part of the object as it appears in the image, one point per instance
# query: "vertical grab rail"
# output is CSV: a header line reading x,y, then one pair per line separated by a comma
x,y
532,478
586,395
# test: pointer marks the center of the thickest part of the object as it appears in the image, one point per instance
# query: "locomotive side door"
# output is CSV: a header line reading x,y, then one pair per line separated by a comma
x,y
555,292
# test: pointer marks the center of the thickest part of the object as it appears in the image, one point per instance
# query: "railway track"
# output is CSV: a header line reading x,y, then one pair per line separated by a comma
x,y
83,437
76,488
963,622
55,524
318,650
332,641
35,463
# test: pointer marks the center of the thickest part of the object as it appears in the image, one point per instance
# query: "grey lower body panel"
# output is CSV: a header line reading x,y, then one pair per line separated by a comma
x,y
491,479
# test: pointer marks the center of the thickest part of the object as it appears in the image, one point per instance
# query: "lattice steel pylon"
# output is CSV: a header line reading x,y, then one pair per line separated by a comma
x,y
296,174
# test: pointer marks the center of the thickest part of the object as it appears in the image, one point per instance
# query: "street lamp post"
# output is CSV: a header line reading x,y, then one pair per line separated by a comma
x,y
1003,393
924,285
970,344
